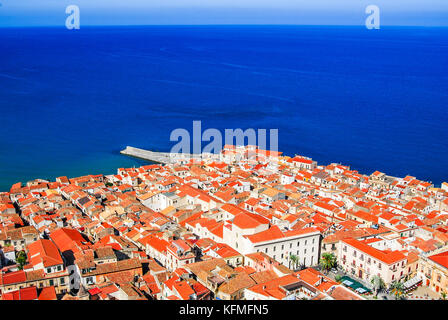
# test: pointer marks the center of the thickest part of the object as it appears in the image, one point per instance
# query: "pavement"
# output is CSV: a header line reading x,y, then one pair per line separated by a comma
x,y
423,293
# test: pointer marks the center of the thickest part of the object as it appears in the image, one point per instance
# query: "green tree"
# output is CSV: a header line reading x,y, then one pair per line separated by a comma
x,y
21,259
397,289
328,261
378,284
294,260
443,294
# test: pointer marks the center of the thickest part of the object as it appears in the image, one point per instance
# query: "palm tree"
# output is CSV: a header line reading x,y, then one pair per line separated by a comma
x,y
328,261
378,284
294,259
397,289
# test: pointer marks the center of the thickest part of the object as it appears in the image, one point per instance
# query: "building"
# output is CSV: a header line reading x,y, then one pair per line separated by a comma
x,y
364,261
434,271
280,245
178,254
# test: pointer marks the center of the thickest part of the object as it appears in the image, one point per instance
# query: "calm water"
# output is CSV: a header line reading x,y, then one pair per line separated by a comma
x,y
70,100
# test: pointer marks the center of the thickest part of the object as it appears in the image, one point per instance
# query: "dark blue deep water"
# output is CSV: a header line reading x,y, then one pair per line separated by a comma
x,y
372,99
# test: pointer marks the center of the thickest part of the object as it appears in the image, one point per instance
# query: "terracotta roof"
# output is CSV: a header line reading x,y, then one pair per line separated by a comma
x,y
245,221
441,259
45,252
48,293
29,293
390,257
68,239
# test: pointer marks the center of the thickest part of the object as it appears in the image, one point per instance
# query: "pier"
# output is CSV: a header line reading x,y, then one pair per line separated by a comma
x,y
165,157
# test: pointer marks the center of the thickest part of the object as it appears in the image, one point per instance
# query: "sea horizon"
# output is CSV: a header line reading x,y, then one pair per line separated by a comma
x,y
117,26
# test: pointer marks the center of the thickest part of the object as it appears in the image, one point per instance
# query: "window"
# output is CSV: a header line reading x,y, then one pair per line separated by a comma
x,y
48,270
62,280
283,247
51,282
274,248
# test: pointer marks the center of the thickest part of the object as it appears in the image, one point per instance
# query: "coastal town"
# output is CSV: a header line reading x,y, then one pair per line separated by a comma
x,y
248,224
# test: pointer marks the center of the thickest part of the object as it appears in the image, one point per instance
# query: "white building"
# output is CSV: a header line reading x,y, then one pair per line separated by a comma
x,y
280,245
364,261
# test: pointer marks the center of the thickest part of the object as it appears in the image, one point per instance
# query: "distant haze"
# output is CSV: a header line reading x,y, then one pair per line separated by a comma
x,y
150,12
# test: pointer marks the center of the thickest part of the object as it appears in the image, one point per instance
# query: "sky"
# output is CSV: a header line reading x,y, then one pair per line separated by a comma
x,y
160,12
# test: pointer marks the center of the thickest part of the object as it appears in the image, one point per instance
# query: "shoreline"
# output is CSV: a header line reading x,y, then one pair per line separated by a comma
x,y
139,154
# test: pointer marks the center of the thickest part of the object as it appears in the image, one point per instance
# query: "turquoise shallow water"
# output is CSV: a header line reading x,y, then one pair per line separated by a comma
x,y
373,99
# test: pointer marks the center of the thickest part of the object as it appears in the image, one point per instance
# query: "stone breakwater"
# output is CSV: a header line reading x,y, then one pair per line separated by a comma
x,y
164,157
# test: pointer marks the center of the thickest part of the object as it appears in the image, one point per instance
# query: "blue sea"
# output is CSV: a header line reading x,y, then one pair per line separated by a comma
x,y
70,100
